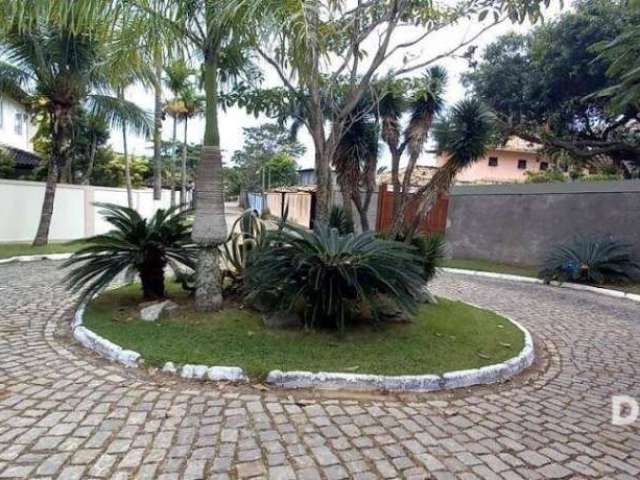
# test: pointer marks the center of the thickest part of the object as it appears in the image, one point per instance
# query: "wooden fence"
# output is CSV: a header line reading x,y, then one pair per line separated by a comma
x,y
435,222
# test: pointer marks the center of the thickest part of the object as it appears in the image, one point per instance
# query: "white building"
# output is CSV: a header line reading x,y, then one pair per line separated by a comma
x,y
16,134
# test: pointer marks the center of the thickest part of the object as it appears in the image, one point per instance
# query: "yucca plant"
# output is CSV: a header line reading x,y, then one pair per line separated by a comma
x,y
135,245
590,259
334,275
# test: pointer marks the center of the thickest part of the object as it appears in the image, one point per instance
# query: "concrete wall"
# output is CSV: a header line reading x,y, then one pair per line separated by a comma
x,y
74,215
372,213
519,223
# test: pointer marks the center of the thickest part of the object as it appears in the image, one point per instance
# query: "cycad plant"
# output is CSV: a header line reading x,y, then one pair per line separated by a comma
x,y
135,245
334,275
590,259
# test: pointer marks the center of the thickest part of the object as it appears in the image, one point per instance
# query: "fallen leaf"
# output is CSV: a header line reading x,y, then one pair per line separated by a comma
x,y
500,326
352,369
483,355
449,412
260,386
506,345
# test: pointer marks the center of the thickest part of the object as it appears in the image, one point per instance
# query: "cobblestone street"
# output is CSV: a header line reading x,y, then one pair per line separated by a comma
x,y
65,413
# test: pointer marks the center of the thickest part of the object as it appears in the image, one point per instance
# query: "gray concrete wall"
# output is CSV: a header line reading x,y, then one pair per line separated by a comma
x,y
519,223
372,213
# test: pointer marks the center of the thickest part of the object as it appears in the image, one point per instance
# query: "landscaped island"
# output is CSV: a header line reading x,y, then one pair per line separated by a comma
x,y
444,337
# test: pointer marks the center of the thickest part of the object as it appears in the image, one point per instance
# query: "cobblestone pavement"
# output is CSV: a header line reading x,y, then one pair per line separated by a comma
x,y
66,414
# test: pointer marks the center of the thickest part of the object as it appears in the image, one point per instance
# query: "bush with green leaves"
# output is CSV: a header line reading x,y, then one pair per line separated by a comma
x,y
431,250
334,276
248,235
135,245
590,259
339,220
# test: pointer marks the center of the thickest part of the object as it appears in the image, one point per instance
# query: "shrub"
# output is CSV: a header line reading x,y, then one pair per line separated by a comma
x,y
546,176
339,220
134,245
248,234
431,250
333,275
593,259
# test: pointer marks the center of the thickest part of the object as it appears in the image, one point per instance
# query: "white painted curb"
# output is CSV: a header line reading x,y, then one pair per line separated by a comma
x,y
410,383
129,358
572,286
35,258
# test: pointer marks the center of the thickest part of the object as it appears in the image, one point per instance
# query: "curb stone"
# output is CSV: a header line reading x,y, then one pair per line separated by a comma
x,y
608,292
410,383
35,258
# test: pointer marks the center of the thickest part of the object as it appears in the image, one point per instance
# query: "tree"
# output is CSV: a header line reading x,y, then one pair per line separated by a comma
x,y
193,105
545,87
214,31
55,71
177,78
463,135
261,145
323,48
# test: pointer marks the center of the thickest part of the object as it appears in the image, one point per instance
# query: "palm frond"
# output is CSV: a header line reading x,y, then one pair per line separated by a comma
x,y
118,112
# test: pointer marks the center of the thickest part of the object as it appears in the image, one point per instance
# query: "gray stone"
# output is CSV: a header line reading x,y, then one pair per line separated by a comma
x,y
230,374
151,313
169,367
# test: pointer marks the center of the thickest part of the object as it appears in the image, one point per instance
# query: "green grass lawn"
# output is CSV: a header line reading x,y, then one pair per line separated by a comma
x,y
449,336
14,249
523,270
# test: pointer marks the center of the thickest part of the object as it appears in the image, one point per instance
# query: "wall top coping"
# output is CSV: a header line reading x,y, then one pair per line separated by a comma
x,y
617,186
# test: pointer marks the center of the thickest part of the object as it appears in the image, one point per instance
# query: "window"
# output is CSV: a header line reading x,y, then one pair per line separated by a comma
x,y
544,166
18,124
493,161
522,164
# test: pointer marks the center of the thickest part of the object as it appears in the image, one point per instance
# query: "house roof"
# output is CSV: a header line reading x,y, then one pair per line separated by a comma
x,y
23,158
517,144
421,175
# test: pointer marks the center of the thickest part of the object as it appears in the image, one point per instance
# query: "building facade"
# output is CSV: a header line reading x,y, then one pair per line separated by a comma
x,y
505,164
16,135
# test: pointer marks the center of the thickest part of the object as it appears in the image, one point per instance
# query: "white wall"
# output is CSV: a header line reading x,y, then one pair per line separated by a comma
x,y
8,135
74,215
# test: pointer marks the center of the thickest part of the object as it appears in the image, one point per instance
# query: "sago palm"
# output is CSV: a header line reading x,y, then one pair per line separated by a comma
x,y
135,245
55,71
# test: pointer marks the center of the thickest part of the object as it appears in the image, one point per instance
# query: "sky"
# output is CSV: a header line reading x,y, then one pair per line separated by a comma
x,y
233,120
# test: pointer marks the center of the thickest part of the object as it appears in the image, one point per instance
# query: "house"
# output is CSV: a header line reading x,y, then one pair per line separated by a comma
x,y
16,132
507,163
420,176
307,176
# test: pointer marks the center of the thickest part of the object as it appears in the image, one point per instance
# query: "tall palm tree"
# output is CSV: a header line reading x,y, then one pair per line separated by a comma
x,y
464,136
177,79
193,104
55,70
426,103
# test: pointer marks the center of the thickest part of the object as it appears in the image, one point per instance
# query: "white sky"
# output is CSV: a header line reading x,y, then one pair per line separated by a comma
x,y
233,120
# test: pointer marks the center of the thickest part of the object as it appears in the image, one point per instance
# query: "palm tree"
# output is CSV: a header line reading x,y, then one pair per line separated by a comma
x,y
464,136
177,80
426,103
193,106
55,71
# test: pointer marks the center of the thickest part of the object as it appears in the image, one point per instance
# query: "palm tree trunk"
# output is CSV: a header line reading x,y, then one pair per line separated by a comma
x,y
183,167
172,167
403,202
157,129
395,180
127,161
55,160
209,226
92,159
127,167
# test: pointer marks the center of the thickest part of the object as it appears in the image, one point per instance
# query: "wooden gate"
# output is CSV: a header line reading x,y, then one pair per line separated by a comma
x,y
436,221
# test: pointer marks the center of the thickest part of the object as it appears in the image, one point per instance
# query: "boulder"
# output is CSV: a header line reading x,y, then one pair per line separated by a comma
x,y
151,312
424,295
281,319
390,312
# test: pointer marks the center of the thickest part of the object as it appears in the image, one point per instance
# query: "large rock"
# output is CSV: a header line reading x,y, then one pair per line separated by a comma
x,y
152,312
281,319
424,295
390,312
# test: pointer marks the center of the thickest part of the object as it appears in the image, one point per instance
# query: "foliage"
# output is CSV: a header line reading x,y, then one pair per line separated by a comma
x,y
590,259
551,86
7,163
109,170
333,275
268,148
552,175
248,236
339,220
601,177
432,252
134,245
